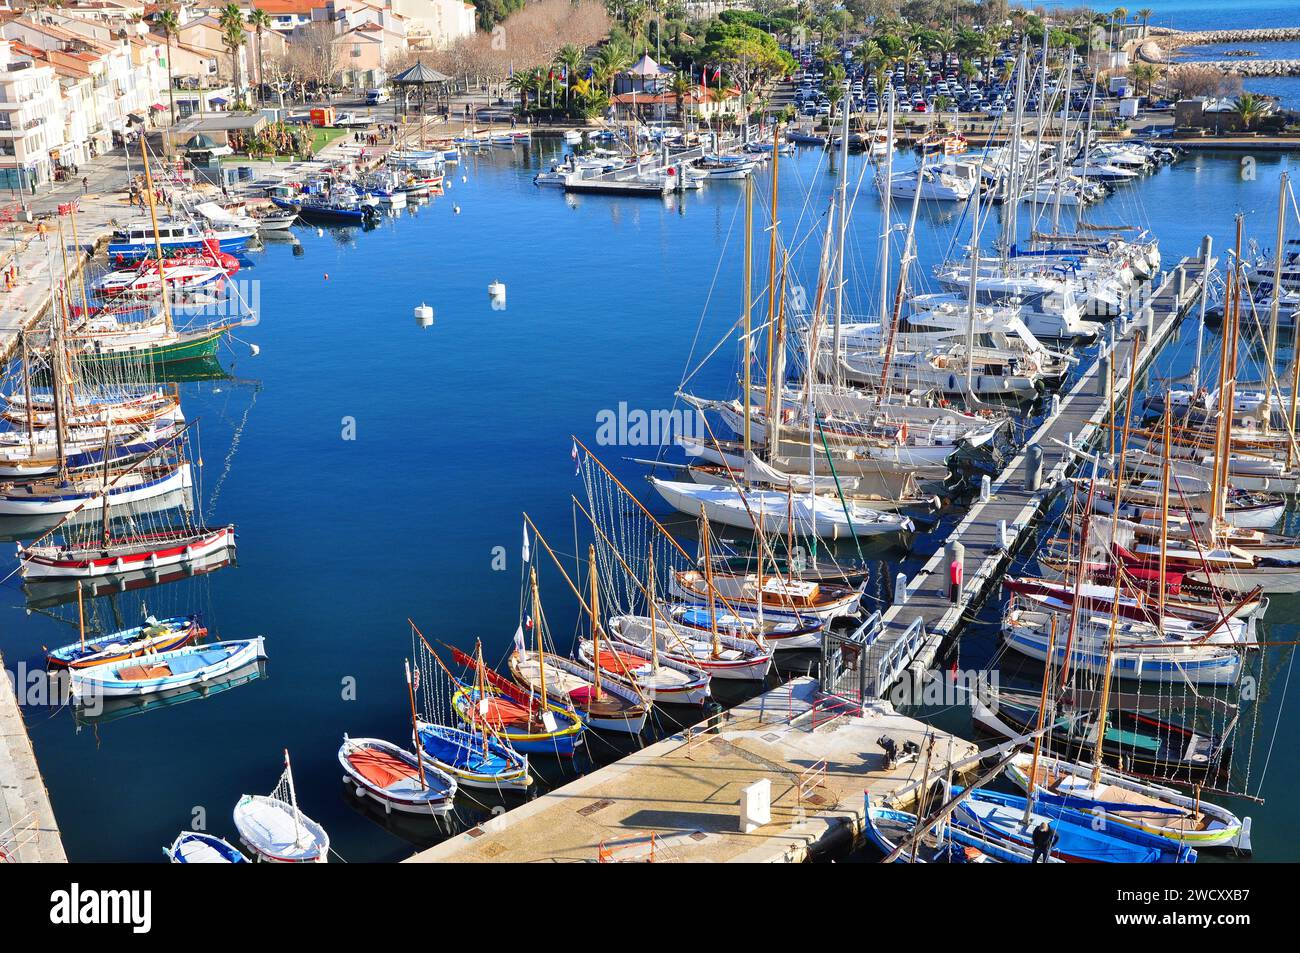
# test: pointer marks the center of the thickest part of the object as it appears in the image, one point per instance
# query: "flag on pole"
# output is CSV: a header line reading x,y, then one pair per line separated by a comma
x,y
574,454
527,548
519,638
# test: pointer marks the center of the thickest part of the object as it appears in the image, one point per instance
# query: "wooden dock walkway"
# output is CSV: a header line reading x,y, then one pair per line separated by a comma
x,y
678,800
914,629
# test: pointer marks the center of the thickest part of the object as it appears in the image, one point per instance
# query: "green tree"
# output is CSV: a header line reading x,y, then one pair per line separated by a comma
x,y
568,58
170,23
1249,108
259,20
231,22
680,86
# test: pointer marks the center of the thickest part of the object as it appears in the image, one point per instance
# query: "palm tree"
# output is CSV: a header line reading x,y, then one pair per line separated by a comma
x,y
680,86
259,20
231,21
170,22
1145,15
1248,108
609,61
568,58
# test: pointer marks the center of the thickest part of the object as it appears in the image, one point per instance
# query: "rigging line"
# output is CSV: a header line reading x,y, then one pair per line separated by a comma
x,y
1281,706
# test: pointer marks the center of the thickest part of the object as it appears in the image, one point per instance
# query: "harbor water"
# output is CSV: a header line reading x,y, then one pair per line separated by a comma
x,y
377,469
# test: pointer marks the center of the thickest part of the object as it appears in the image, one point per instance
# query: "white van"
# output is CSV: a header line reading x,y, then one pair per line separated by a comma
x,y
375,97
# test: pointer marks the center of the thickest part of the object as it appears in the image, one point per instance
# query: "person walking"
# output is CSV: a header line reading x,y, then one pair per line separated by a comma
x,y
85,184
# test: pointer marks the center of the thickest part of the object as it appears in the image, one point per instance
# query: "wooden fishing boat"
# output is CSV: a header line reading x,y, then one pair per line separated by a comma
x,y
152,638
1078,838
774,510
1099,598
780,597
1141,503
1139,742
273,828
394,777
529,724
1155,809
607,707
196,847
729,656
166,670
886,828
96,413
474,758
40,455
155,550
1172,651
53,496
778,634
666,680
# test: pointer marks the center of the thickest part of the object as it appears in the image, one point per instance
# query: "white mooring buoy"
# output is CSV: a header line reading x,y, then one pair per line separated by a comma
x,y
423,315
497,292
254,350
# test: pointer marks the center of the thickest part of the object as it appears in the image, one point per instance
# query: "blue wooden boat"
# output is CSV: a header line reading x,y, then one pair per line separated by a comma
x,y
887,828
195,847
163,671
151,638
1002,816
137,240
473,758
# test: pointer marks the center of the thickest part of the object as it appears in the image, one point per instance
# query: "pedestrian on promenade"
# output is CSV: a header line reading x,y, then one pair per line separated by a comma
x,y
85,183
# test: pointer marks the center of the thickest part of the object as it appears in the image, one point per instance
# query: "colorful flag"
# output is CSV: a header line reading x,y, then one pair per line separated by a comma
x,y
574,454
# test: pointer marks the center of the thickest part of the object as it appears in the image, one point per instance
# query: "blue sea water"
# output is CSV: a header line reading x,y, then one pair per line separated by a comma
x,y
377,470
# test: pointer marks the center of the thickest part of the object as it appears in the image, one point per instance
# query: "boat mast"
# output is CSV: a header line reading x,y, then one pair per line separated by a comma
x,y
971,290
536,601
595,615
1060,145
157,241
650,582
837,371
1011,197
1164,510
415,724
293,796
909,252
1042,718
771,277
1277,288
27,390
777,367
708,579
747,347
886,208
81,616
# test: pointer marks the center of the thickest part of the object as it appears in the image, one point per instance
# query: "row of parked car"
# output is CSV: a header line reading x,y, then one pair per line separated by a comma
x,y
921,89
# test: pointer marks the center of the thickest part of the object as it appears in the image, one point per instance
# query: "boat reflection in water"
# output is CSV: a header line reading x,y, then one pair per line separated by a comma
x,y
49,593
26,528
421,831
106,709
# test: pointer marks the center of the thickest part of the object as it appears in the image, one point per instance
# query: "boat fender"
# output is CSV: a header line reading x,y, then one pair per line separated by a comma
x,y
952,382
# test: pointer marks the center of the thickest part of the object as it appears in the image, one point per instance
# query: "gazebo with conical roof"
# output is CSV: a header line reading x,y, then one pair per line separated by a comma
x,y
423,78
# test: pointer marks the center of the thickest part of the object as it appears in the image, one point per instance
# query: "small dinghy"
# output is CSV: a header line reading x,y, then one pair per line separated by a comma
x,y
149,639
162,671
273,828
195,847
394,777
